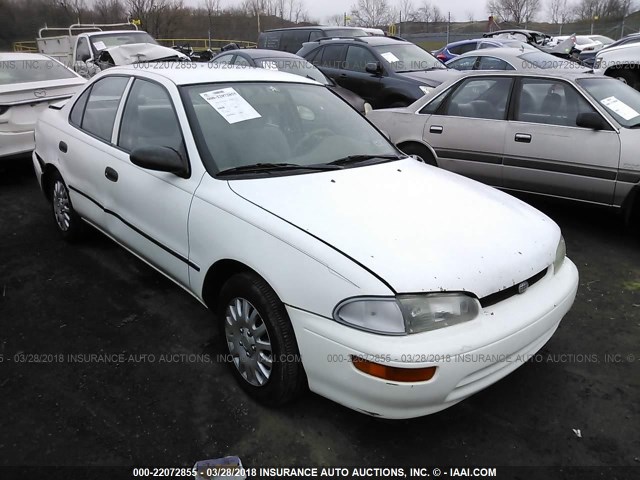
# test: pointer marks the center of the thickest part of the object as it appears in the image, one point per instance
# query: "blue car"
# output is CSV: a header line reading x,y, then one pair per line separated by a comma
x,y
455,49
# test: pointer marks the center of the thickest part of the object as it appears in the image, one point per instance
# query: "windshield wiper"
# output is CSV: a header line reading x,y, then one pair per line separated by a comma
x,y
271,167
351,159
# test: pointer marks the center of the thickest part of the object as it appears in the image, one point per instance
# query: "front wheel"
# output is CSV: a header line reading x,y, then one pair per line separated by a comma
x,y
259,338
67,221
420,151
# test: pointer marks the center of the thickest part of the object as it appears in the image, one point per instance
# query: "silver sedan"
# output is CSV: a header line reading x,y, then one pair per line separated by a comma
x,y
566,135
512,59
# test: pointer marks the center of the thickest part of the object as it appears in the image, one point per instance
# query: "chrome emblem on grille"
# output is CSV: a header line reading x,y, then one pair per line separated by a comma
x,y
523,287
40,93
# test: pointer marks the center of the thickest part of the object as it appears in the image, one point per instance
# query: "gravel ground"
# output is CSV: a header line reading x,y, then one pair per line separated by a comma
x,y
95,298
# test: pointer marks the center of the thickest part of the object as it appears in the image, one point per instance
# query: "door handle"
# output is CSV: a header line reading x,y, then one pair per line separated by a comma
x,y
523,138
436,129
63,147
111,174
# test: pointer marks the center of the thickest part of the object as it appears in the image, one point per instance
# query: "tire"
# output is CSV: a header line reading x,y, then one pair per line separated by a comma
x,y
628,76
257,333
419,150
65,218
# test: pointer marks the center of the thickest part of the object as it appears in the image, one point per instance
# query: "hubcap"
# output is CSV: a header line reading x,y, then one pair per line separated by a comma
x,y
248,341
61,206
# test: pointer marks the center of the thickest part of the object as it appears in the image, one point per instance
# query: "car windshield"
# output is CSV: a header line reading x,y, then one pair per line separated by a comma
x,y
407,57
25,71
620,100
297,66
244,124
544,60
108,40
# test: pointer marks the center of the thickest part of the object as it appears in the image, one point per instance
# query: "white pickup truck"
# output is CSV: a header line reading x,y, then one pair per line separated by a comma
x,y
90,48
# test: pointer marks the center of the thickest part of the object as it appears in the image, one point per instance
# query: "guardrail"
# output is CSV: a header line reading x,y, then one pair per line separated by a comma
x,y
199,44
196,43
30,47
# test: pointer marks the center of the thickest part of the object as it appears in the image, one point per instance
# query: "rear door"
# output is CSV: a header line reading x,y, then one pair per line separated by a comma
x,y
467,130
85,149
330,60
546,152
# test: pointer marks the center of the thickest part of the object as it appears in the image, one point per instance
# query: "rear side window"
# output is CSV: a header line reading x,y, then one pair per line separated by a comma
x,y
464,48
357,59
481,98
493,63
102,106
269,40
463,63
315,35
78,109
332,56
292,40
149,119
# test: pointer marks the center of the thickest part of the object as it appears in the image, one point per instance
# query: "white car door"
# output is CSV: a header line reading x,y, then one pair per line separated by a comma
x,y
546,152
85,147
467,128
151,208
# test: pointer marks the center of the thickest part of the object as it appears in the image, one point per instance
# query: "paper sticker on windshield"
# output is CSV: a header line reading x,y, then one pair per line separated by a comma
x,y
270,65
390,57
621,108
230,105
99,45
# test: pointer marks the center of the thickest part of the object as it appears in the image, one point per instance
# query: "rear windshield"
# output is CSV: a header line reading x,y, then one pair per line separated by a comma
x,y
24,71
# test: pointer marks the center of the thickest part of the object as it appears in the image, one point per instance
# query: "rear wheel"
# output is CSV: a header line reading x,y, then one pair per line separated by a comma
x,y
67,221
419,150
626,75
260,340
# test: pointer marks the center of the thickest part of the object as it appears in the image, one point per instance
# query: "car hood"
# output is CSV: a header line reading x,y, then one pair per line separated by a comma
x,y
432,78
142,52
353,99
418,227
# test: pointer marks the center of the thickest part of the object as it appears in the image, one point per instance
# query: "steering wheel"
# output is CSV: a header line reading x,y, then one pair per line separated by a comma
x,y
312,138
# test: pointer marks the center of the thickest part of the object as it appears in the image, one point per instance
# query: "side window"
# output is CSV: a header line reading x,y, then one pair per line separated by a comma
x,y
149,119
357,59
464,63
75,117
432,107
315,35
272,40
292,40
102,106
241,61
332,56
223,59
481,98
464,48
83,51
493,63
314,56
550,102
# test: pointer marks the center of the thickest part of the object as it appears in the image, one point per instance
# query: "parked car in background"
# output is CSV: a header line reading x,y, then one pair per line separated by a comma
x,y
290,63
567,135
385,71
277,205
88,49
586,43
588,58
530,36
455,49
512,59
29,84
621,62
291,39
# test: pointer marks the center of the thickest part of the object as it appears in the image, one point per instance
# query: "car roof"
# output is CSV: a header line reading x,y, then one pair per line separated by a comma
x,y
505,52
371,40
566,74
12,56
207,73
264,53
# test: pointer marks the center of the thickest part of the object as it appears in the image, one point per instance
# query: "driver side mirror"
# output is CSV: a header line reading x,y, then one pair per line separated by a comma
x,y
374,67
160,159
591,120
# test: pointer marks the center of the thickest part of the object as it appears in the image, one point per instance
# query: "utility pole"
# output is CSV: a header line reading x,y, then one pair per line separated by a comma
x,y
400,24
622,28
448,27
345,19
258,23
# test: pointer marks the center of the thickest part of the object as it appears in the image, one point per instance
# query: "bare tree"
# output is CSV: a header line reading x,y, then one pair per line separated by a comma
x,y
372,13
408,13
516,11
336,19
561,11
430,13
588,9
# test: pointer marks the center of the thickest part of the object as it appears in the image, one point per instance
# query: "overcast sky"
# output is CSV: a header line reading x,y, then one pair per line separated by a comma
x,y
322,9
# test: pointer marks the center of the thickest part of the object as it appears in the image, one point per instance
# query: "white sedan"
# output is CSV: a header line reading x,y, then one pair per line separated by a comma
x,y
332,260
29,83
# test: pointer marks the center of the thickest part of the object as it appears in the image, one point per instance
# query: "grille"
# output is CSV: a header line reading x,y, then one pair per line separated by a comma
x,y
511,291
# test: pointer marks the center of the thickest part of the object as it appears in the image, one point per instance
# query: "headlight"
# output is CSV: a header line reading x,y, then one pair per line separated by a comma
x,y
367,108
426,90
407,314
561,253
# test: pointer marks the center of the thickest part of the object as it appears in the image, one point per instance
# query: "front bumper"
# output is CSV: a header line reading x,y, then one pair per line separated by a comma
x,y
469,357
14,144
